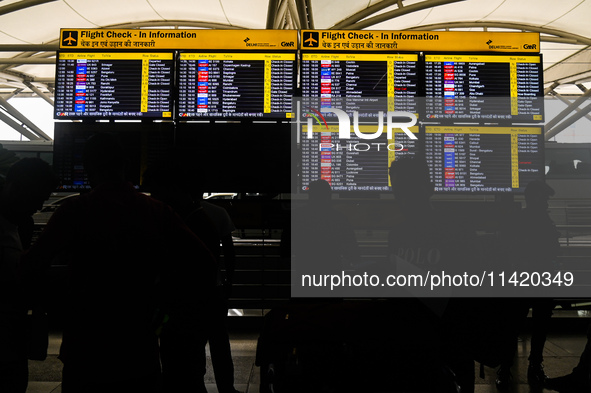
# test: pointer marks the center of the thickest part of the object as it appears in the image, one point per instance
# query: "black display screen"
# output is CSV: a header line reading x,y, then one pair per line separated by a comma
x,y
114,85
236,85
484,159
361,75
353,164
488,88
144,145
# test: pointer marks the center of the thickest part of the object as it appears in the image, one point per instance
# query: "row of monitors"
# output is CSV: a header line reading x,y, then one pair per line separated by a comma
x,y
251,158
260,157
241,85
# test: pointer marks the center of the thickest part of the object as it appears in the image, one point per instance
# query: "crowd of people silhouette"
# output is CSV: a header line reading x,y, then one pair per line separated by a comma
x,y
147,285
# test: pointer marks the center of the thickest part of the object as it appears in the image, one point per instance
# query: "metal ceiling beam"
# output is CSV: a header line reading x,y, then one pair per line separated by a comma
x,y
310,14
303,14
362,24
568,122
569,109
577,70
39,92
27,60
550,88
17,127
21,5
280,15
567,102
170,23
271,13
28,47
294,14
13,94
12,111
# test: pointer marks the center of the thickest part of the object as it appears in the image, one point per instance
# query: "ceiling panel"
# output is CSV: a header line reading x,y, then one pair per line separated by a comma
x,y
37,70
327,13
203,10
402,22
535,12
40,24
576,21
251,14
109,12
461,12
554,52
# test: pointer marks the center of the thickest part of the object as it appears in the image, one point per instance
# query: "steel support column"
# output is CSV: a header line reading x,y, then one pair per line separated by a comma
x,y
19,128
558,118
12,111
39,92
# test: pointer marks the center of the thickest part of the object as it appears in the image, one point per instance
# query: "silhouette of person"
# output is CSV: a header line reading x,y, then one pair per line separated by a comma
x,y
29,183
217,333
127,256
425,239
534,246
171,184
322,240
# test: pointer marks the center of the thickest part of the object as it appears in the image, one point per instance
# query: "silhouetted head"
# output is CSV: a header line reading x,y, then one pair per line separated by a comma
x,y
29,182
104,159
319,192
411,183
167,182
537,194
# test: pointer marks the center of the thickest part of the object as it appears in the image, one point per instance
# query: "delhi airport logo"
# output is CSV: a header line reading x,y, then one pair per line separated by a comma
x,y
69,38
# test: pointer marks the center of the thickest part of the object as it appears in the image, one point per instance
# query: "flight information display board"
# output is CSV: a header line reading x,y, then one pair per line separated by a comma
x,y
484,159
352,164
114,85
361,75
239,85
487,88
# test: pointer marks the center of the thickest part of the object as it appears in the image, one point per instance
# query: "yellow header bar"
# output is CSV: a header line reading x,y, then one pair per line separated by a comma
x,y
437,41
483,130
485,58
238,56
178,39
115,56
359,56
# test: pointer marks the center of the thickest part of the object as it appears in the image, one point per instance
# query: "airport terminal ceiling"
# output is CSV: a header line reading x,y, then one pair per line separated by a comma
x,y
29,30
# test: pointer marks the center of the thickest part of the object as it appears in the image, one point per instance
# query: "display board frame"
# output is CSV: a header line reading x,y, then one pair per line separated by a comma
x,y
110,97
266,84
512,101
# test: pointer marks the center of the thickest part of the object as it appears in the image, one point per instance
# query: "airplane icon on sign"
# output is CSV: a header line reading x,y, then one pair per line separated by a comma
x,y
311,41
70,39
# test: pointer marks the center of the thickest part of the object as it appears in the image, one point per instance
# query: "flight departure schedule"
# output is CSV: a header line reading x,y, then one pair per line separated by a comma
x,y
236,85
483,88
353,164
114,85
483,159
359,76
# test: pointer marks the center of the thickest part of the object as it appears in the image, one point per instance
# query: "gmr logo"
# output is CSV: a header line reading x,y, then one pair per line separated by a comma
x,y
345,124
530,46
